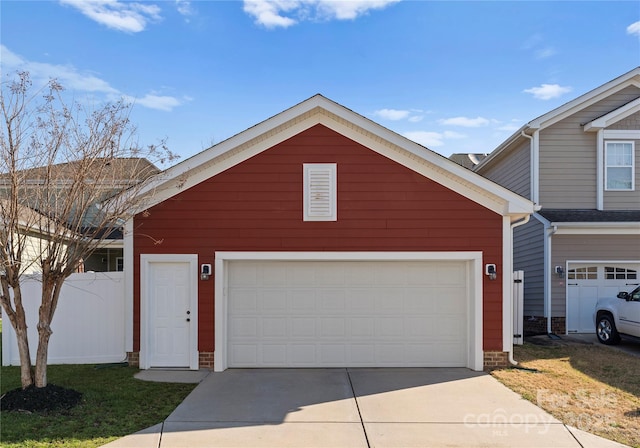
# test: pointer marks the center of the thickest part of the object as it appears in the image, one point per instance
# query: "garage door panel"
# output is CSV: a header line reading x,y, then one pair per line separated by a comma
x,y
451,274
273,301
244,300
302,301
332,300
404,318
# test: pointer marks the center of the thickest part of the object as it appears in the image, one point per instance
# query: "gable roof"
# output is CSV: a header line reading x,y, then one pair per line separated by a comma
x,y
631,78
119,170
320,110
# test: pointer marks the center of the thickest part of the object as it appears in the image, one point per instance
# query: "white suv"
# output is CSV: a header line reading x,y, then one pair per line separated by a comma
x,y
616,318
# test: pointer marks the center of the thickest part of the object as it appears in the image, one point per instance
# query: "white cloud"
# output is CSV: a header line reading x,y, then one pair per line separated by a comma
x,y
415,118
349,10
634,29
508,128
432,139
285,13
158,102
548,91
465,122
41,73
184,7
77,81
128,17
392,114
545,53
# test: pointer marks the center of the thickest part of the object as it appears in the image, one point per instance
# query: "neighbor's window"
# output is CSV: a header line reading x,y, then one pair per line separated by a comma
x,y
586,273
612,273
619,166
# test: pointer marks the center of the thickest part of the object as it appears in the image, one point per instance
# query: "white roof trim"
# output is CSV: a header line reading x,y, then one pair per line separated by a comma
x,y
631,78
614,116
320,110
596,228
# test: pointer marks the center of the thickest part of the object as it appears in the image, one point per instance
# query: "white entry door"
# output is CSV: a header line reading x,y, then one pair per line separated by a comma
x,y
587,282
171,310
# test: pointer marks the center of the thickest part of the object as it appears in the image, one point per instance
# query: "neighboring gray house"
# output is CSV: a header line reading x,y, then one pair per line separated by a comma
x,y
581,164
118,174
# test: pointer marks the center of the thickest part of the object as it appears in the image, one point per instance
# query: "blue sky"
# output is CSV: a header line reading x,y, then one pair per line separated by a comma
x,y
455,76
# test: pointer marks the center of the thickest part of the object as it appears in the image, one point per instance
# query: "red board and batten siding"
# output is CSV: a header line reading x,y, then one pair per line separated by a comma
x,y
257,206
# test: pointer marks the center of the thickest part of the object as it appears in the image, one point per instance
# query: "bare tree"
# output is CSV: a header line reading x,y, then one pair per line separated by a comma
x,y
63,169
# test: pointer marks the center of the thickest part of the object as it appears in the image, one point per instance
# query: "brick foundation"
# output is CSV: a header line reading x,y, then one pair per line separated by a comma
x,y
495,360
133,358
205,360
538,325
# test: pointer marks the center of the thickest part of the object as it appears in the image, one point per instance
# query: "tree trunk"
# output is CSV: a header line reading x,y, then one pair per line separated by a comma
x,y
19,322
50,293
26,369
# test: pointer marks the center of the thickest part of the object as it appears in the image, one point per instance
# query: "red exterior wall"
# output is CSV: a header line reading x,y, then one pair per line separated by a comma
x,y
257,206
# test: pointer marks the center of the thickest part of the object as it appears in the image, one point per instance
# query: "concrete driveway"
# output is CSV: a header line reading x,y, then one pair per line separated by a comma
x,y
357,408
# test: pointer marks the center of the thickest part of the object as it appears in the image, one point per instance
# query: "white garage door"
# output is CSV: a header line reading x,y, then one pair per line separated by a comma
x,y
586,282
347,313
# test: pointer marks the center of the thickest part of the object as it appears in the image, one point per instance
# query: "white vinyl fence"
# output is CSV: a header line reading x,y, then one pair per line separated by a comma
x,y
88,325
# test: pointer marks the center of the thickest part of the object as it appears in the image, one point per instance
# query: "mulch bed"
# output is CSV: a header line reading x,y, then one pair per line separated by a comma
x,y
40,399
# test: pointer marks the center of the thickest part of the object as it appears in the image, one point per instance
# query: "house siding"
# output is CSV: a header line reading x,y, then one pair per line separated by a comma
x,y
513,172
588,248
568,158
528,256
257,206
629,123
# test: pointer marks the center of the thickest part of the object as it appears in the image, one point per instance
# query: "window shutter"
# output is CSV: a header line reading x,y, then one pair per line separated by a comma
x,y
320,192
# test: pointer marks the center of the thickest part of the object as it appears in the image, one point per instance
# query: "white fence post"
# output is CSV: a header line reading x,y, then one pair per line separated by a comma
x,y
88,326
518,307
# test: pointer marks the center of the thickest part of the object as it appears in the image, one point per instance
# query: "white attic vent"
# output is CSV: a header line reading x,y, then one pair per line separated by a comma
x,y
320,192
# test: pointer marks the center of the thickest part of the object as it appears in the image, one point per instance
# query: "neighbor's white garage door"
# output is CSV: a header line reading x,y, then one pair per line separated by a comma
x,y
586,282
349,313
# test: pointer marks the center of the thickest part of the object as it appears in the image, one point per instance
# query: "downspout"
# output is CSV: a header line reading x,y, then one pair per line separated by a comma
x,y
550,231
522,222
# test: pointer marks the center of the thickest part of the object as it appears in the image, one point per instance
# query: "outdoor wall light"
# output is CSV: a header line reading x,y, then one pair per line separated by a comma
x,y
205,271
490,270
559,271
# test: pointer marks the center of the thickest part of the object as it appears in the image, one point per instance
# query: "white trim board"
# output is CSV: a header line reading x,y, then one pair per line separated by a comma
x,y
320,110
475,358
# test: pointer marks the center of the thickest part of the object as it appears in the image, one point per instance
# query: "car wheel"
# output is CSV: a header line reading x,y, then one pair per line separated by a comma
x,y
606,330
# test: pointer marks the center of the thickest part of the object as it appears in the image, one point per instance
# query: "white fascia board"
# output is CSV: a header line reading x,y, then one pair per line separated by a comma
x,y
435,167
614,116
631,78
597,228
354,126
201,160
503,147
111,244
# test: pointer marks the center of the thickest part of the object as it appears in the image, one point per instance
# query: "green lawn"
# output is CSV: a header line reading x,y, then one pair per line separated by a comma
x,y
114,404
